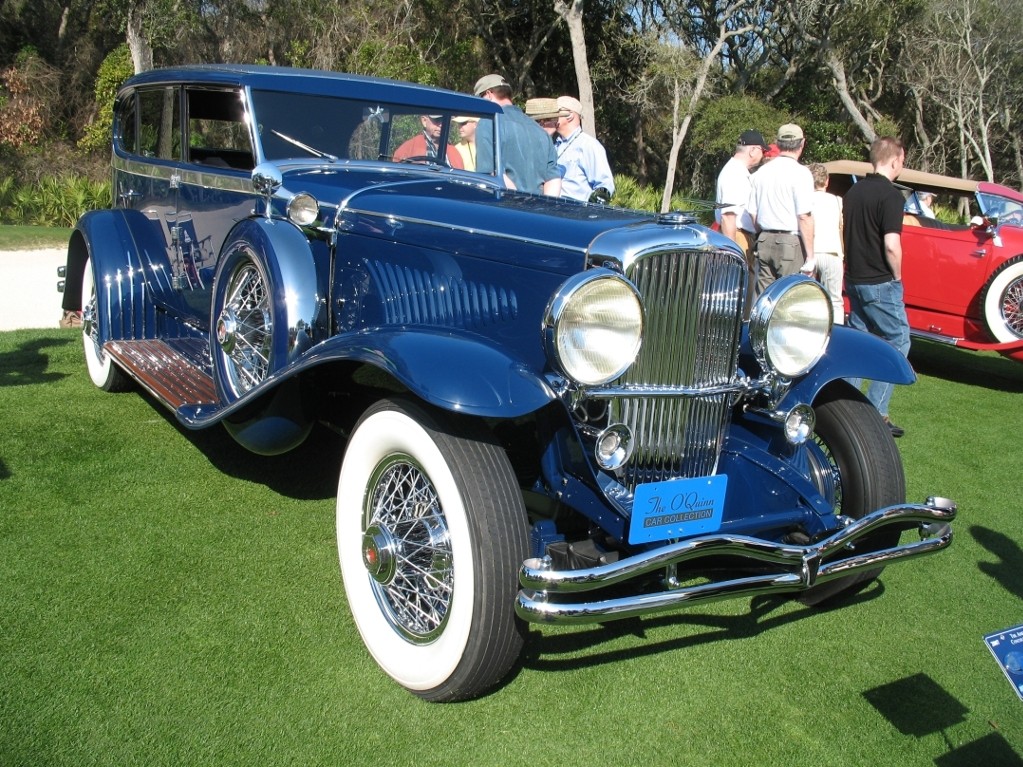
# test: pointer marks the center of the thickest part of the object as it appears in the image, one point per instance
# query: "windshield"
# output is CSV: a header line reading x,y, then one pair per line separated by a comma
x,y
1005,210
296,125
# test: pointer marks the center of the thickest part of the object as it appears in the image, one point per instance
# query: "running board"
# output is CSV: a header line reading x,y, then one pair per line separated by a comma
x,y
164,372
796,568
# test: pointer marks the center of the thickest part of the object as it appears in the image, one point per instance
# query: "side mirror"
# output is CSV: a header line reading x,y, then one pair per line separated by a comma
x,y
266,180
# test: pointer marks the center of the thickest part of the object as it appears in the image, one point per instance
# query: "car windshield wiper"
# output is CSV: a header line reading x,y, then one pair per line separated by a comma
x,y
311,150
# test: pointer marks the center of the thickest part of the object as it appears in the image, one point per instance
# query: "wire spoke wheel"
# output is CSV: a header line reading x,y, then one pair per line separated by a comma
x,y
856,466
407,549
1012,306
245,329
1002,301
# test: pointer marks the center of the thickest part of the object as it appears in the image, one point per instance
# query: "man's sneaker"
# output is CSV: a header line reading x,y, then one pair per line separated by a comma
x,y
897,431
71,320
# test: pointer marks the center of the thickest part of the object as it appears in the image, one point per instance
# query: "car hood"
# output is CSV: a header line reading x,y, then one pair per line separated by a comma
x,y
460,212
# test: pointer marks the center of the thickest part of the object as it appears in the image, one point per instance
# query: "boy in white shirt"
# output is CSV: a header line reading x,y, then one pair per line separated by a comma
x,y
827,239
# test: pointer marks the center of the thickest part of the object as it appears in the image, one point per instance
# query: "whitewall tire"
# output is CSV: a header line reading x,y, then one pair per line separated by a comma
x,y
431,531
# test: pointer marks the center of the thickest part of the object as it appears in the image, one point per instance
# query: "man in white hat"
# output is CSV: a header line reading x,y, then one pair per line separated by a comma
x,y
781,204
585,172
467,140
530,163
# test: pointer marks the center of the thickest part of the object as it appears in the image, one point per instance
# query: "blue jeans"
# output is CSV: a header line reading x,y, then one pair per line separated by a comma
x,y
881,310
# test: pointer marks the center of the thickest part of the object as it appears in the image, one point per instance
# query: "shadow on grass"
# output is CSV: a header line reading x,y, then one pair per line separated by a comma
x,y
540,651
991,751
1007,570
918,706
308,473
987,370
29,364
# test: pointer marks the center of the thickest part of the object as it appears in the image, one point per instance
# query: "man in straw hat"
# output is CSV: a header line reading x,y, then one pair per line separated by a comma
x,y
545,112
530,163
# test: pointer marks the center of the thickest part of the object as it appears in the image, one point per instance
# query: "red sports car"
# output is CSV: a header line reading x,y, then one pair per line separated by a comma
x,y
963,271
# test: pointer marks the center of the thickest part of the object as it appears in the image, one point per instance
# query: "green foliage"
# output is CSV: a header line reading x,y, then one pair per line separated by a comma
x,y
398,62
721,121
54,201
716,130
115,69
631,194
299,53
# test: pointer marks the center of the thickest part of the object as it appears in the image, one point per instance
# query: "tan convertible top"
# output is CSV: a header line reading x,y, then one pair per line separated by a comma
x,y
917,179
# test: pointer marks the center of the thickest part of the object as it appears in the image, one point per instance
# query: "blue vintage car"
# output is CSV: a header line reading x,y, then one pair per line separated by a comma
x,y
555,411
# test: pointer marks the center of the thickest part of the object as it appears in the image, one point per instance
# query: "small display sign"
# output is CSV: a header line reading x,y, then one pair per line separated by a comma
x,y
677,508
1007,647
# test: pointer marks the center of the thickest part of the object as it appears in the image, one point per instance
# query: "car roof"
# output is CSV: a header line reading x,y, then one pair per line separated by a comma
x,y
918,179
317,82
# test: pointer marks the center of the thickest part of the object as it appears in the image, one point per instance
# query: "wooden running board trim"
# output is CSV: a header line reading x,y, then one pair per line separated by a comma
x,y
163,372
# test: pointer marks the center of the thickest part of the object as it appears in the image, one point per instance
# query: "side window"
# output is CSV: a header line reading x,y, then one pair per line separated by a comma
x,y
218,133
125,128
366,138
160,124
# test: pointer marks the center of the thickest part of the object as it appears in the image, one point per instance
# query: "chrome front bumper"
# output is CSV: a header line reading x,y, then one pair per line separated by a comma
x,y
798,568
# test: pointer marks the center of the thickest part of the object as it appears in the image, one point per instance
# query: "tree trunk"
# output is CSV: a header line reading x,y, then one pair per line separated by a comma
x,y
837,69
679,130
573,16
138,43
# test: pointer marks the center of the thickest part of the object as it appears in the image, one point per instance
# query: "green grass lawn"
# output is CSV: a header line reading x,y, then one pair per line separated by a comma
x,y
168,599
29,237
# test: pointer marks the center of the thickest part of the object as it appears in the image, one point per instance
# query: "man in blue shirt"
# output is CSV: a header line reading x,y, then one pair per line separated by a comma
x,y
530,164
585,173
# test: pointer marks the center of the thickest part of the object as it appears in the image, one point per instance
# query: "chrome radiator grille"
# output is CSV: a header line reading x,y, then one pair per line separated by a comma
x,y
694,302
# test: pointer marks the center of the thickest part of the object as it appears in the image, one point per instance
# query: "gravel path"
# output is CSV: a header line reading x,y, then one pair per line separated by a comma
x,y
28,288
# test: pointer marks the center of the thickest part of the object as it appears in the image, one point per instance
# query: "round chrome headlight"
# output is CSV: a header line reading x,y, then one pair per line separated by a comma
x,y
790,325
303,209
593,327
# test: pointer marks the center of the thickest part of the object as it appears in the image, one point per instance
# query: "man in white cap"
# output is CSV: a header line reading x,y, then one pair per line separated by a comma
x,y
781,204
530,163
585,172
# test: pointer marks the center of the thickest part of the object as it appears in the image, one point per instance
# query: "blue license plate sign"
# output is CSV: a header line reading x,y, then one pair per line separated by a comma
x,y
677,508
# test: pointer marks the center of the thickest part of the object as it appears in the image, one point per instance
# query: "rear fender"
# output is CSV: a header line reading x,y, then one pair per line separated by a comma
x,y
130,265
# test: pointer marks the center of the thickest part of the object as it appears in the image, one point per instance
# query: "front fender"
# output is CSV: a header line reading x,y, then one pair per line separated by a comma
x,y
455,372
853,354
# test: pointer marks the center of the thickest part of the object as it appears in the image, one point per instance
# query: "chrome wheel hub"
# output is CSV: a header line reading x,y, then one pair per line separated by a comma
x,y
406,550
